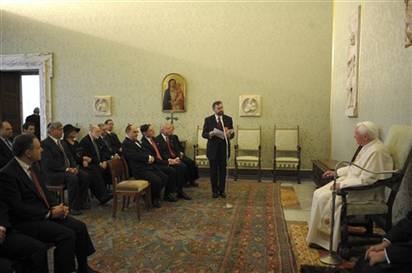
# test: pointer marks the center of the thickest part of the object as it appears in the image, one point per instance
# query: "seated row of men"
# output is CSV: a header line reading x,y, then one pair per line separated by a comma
x,y
84,165
31,220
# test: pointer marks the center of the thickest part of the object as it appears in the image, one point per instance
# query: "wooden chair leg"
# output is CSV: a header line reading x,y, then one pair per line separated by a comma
x,y
236,171
114,207
298,176
137,198
128,202
260,173
123,202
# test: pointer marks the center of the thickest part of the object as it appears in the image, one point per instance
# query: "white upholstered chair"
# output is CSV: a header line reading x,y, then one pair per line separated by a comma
x,y
199,149
287,151
248,150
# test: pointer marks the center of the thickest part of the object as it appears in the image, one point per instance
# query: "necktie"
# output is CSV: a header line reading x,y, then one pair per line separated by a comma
x,y
66,159
96,148
219,123
39,190
8,144
156,149
171,152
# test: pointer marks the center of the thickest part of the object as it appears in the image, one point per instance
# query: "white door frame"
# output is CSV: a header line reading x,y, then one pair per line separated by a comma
x,y
43,63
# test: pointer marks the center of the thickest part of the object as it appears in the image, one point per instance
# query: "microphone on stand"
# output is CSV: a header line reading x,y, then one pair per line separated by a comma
x,y
227,205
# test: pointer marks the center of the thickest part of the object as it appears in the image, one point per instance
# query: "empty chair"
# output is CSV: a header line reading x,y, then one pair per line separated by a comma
x,y
248,153
287,151
199,149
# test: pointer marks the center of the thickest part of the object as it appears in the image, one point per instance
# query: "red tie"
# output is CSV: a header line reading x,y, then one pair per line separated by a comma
x,y
156,149
39,190
171,152
219,123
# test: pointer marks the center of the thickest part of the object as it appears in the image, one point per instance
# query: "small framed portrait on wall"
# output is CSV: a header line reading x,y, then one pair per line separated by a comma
x,y
174,93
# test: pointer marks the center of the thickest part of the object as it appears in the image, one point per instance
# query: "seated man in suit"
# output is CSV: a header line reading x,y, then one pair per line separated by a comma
x,y
93,147
28,128
34,211
60,167
93,176
141,164
393,255
31,253
170,166
6,133
112,138
193,171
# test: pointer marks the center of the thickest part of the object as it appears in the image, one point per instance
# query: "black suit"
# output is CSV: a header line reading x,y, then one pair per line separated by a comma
x,y
113,142
399,252
55,161
89,174
216,151
176,174
31,253
28,214
137,158
193,171
6,154
35,119
100,155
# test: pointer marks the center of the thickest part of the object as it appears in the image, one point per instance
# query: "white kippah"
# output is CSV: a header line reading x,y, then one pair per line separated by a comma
x,y
368,127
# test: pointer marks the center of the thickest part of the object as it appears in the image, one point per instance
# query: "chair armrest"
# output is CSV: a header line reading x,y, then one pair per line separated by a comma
x,y
195,146
396,178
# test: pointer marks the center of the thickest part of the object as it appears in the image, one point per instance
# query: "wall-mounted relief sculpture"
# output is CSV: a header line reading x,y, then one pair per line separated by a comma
x,y
173,93
352,75
102,105
250,105
408,23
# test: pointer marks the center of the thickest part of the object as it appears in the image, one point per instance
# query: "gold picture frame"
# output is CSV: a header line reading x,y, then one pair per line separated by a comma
x,y
174,93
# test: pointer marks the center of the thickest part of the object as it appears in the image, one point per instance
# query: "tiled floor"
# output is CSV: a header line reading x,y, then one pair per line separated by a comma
x,y
304,191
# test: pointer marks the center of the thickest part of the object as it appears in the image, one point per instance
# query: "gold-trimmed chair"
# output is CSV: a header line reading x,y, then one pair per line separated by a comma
x,y
286,151
126,188
248,151
199,149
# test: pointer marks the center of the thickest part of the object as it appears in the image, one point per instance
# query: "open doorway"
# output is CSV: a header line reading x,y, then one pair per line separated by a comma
x,y
20,95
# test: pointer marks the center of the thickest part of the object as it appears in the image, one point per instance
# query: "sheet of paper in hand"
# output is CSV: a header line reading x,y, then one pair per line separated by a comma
x,y
218,133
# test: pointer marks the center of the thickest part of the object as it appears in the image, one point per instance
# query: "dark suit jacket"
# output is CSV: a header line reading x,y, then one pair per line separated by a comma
x,y
5,154
19,192
4,215
177,146
399,252
136,157
114,142
88,149
53,162
216,147
164,150
35,119
152,151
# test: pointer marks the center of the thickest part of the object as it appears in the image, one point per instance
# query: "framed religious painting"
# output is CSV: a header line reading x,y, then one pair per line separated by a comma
x,y
102,105
174,93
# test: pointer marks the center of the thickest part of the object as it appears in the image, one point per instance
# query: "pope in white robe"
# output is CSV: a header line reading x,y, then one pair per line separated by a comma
x,y
373,156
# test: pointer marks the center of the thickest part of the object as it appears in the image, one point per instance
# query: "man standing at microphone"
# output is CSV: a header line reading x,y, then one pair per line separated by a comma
x,y
218,130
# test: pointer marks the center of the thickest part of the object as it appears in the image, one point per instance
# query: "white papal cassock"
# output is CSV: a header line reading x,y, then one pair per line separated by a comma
x,y
373,156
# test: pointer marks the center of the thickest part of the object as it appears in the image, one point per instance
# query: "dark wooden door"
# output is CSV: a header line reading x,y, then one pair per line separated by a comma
x,y
10,99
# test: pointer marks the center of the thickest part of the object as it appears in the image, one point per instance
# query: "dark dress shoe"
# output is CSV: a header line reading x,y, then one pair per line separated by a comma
x,y
75,212
88,270
223,195
215,195
183,195
106,199
156,203
194,184
170,198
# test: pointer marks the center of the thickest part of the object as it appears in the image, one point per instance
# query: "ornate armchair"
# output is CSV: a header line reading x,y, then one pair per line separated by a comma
x,y
287,151
399,143
248,143
199,149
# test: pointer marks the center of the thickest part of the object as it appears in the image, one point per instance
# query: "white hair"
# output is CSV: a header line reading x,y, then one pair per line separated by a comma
x,y
368,128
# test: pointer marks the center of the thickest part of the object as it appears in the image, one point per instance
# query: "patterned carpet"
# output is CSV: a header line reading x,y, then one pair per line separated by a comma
x,y
289,198
198,235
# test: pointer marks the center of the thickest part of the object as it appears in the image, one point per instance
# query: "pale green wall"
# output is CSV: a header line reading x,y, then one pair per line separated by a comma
x,y
385,71
279,50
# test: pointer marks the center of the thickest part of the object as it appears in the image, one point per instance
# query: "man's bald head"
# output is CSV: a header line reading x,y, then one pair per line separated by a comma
x,y
95,131
6,130
132,131
167,129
